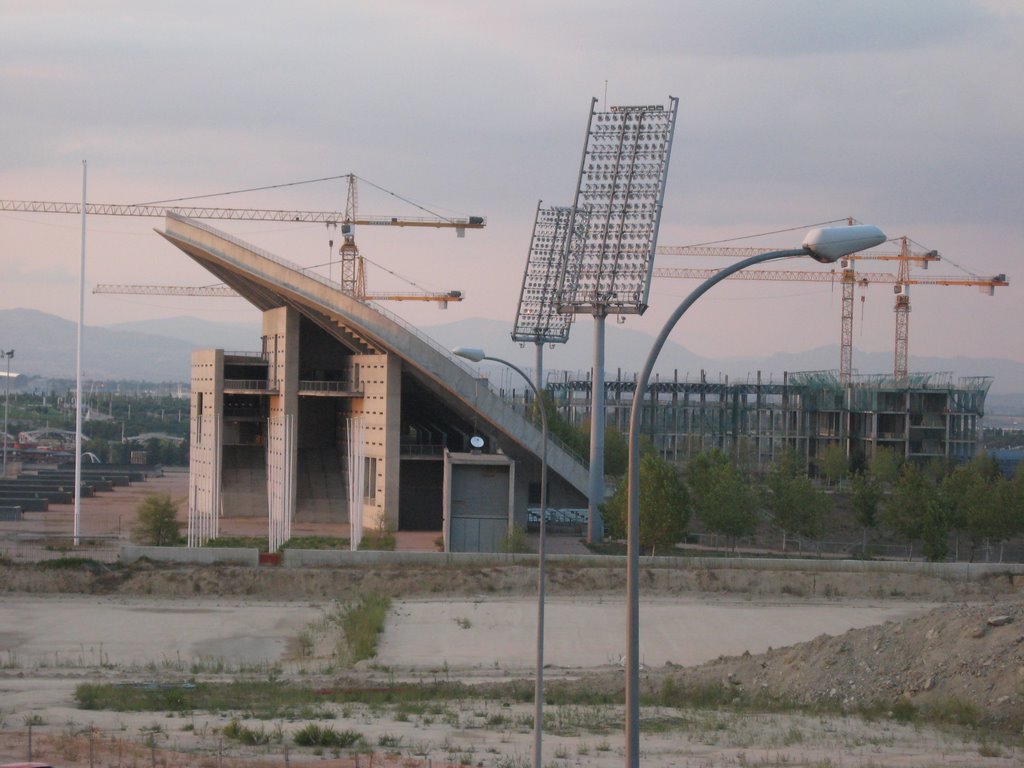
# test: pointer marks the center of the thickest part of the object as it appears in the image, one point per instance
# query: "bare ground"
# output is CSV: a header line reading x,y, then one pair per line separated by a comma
x,y
851,641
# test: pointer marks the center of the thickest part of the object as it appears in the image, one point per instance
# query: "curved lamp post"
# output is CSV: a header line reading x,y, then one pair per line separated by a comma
x,y
476,355
825,245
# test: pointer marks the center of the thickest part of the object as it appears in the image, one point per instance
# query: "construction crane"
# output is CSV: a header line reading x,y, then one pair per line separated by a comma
x,y
353,276
901,283
224,292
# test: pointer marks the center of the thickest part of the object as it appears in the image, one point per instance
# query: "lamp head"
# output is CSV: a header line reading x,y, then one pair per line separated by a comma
x,y
472,354
829,244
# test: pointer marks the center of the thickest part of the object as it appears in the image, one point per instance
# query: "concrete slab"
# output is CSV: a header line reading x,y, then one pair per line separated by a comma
x,y
588,633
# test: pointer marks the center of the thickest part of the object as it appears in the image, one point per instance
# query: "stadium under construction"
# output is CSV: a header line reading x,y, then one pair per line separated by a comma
x,y
922,417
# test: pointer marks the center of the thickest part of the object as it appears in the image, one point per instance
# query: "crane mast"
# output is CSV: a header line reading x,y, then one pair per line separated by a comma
x,y
902,311
353,270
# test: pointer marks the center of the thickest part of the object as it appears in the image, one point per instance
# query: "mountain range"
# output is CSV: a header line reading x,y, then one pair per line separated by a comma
x,y
160,350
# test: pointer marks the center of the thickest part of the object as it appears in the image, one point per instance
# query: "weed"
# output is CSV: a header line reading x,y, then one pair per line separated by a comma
x,y
515,541
314,735
253,737
381,538
363,623
463,622
71,563
793,736
389,741
989,750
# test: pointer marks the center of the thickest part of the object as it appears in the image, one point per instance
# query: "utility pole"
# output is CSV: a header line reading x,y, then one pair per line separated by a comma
x,y
7,397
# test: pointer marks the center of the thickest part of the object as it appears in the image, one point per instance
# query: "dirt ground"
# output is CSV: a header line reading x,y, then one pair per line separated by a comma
x,y
832,641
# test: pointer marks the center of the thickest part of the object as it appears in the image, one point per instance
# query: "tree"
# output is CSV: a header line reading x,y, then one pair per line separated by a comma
x,y
664,505
865,496
157,522
797,506
960,491
904,514
935,530
884,465
616,452
725,500
990,516
834,463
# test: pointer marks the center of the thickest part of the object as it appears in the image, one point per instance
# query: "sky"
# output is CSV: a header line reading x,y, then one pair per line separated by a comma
x,y
908,115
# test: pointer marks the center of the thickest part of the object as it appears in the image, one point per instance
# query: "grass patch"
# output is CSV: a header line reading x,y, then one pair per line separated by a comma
x,y
378,539
263,545
262,699
363,624
254,737
243,542
316,542
574,708
314,735
70,563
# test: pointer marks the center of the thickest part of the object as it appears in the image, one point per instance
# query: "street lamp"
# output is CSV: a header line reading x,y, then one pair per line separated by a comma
x,y
825,245
476,355
7,397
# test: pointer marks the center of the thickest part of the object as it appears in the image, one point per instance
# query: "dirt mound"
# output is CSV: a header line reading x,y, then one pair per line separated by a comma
x,y
963,661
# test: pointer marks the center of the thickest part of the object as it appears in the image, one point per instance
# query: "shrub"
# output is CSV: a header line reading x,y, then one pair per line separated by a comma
x,y
157,522
314,735
515,541
253,737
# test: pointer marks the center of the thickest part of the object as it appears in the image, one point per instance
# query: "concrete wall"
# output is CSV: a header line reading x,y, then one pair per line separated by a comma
x,y
281,339
206,415
380,409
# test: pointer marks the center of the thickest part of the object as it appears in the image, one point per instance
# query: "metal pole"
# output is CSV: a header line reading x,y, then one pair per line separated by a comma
x,y
538,372
538,692
7,397
595,490
78,387
633,479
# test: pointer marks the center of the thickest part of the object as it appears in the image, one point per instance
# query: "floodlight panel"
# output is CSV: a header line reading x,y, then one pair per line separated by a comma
x,y
537,318
621,188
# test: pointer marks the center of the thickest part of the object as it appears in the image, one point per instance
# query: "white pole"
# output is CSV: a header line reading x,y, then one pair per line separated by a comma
x,y
78,388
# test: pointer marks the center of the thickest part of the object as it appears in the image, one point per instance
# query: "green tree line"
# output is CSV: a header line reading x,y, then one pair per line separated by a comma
x,y
947,510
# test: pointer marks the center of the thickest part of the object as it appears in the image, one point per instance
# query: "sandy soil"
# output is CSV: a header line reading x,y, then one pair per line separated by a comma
x,y
50,644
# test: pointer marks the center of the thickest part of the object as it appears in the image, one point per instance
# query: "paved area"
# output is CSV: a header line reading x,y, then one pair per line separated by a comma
x,y
588,632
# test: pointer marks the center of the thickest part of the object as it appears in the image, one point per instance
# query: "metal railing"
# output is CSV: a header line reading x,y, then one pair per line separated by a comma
x,y
312,385
421,450
251,385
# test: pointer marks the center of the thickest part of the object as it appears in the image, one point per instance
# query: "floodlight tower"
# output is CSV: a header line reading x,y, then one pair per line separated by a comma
x,y
538,320
621,192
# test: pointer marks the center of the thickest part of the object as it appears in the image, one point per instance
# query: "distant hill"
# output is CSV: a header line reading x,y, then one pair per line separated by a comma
x,y
160,350
45,345
198,333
